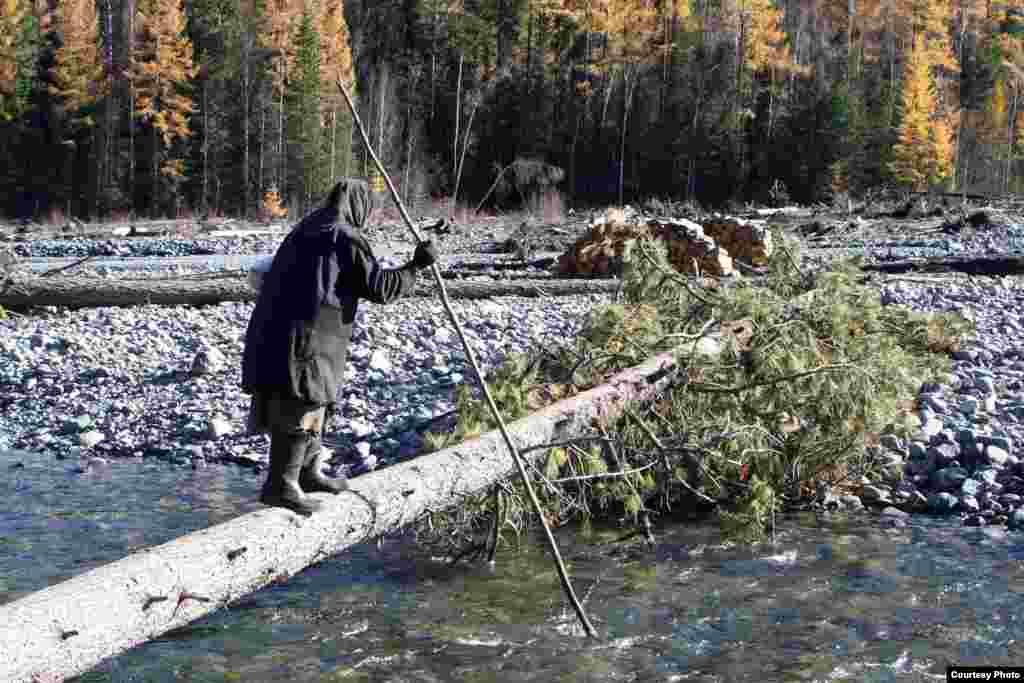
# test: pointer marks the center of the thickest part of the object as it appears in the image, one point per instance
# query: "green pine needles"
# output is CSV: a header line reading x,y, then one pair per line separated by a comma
x,y
813,369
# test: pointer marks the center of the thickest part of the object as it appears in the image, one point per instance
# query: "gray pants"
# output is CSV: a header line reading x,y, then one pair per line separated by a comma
x,y
293,424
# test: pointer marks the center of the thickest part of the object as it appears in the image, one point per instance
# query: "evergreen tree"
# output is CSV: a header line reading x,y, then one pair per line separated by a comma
x,y
303,99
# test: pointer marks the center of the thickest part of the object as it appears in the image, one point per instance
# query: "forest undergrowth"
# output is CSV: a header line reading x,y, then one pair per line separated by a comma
x,y
812,370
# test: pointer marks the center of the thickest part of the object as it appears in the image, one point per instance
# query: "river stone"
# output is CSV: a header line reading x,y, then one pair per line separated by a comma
x,y
935,403
207,361
851,502
1016,519
218,426
996,456
975,521
91,438
917,502
1010,499
944,454
360,428
894,512
931,425
1004,442
876,495
970,487
77,425
969,504
920,462
987,476
948,479
969,406
379,361
892,442
942,503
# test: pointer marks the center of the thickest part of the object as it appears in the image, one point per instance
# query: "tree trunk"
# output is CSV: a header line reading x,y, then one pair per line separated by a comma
x,y
83,292
628,85
246,106
203,203
69,628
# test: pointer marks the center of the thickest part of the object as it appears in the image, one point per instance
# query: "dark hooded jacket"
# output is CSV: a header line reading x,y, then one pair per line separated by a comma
x,y
297,341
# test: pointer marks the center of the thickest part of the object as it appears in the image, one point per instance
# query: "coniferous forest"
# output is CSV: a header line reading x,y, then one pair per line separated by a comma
x,y
116,108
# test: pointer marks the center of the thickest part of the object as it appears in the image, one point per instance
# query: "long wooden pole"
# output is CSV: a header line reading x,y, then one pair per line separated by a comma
x,y
563,574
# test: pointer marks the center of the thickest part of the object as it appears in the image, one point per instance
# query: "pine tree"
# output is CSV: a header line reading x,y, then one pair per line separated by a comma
x,y
161,70
303,99
923,154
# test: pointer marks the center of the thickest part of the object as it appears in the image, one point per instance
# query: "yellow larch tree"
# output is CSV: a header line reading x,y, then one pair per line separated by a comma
x,y
13,12
160,71
77,70
923,154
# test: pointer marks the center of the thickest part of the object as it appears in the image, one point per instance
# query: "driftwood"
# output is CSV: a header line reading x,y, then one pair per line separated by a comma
x,y
68,628
972,265
82,292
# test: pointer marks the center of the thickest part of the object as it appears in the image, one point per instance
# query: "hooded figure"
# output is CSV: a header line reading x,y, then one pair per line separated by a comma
x,y
296,345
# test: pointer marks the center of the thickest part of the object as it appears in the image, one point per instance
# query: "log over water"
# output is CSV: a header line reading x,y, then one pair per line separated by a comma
x,y
68,628
82,292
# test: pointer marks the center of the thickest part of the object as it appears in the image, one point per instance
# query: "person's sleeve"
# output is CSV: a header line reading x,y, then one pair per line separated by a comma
x,y
376,283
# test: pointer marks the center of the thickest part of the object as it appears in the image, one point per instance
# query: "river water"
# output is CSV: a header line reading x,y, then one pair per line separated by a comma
x,y
834,599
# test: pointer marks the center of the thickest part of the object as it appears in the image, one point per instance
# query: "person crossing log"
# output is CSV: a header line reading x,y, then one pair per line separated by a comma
x,y
563,574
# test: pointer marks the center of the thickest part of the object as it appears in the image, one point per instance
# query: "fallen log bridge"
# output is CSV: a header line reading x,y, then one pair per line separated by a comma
x,y
82,292
68,628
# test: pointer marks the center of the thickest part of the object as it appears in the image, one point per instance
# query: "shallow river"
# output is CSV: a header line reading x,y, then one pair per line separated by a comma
x,y
833,599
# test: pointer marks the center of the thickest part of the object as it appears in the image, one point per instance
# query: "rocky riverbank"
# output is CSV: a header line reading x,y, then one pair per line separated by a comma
x,y
164,381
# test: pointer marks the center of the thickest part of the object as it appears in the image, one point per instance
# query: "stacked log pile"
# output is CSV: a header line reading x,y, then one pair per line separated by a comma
x,y
710,248
745,240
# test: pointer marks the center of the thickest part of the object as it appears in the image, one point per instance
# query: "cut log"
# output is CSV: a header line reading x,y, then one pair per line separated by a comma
x,y
972,265
68,628
82,292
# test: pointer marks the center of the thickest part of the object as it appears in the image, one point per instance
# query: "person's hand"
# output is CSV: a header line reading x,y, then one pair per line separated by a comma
x,y
425,256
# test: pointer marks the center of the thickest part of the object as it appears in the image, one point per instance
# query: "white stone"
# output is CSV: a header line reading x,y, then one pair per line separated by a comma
x,y
90,438
218,427
360,428
363,449
379,361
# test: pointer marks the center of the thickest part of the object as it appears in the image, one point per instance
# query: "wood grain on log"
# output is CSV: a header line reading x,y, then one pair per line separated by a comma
x,y
82,292
70,627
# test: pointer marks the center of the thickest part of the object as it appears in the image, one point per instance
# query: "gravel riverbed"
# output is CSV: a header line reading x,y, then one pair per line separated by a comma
x,y
163,381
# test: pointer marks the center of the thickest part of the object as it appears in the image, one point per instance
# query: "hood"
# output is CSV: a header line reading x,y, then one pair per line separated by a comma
x,y
352,200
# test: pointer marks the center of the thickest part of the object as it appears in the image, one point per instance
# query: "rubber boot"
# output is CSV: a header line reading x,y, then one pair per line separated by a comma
x,y
312,477
282,489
